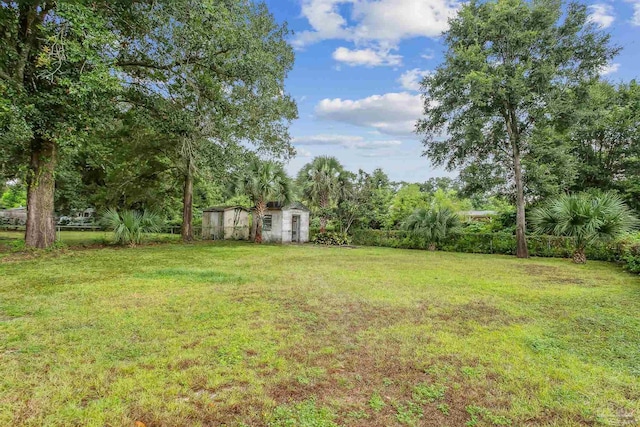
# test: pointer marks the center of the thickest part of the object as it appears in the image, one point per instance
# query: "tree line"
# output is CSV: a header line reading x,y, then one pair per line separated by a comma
x,y
128,101
170,105
518,105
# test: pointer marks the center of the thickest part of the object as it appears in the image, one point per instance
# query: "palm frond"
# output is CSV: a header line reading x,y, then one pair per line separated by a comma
x,y
586,217
129,227
433,225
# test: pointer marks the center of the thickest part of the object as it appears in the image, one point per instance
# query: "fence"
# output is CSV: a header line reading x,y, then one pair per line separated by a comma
x,y
59,228
207,233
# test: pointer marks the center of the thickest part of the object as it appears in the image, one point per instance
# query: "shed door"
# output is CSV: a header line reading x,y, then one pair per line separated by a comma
x,y
295,228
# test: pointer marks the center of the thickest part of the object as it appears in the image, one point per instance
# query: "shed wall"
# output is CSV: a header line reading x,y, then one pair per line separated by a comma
x,y
275,234
287,224
236,224
304,226
209,223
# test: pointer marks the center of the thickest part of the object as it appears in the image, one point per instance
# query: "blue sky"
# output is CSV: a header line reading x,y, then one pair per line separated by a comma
x,y
357,67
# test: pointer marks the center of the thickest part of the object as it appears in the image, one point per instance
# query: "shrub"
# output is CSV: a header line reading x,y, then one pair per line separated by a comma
x,y
586,218
432,225
625,250
331,238
130,226
631,258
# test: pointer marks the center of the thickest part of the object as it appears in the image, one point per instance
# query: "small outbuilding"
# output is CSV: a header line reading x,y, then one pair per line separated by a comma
x,y
477,215
225,222
285,223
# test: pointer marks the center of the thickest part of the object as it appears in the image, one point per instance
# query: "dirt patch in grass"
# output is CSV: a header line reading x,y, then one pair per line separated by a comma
x,y
569,281
354,377
183,364
540,270
349,316
481,312
336,366
550,275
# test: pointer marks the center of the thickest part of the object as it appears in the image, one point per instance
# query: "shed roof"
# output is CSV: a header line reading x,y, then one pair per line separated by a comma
x,y
478,213
279,206
224,208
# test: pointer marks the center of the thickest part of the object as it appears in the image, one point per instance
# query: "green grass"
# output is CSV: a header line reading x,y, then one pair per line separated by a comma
x,y
242,335
12,239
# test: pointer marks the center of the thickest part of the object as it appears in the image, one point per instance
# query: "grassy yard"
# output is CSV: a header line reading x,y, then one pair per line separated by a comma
x,y
8,239
242,335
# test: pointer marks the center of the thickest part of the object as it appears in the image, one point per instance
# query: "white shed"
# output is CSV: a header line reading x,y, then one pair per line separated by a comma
x,y
285,223
225,222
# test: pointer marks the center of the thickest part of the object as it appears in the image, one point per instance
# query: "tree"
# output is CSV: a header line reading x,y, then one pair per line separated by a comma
x,y
322,182
449,199
215,78
406,200
434,224
208,75
14,196
509,67
586,218
605,138
56,68
378,195
364,200
440,183
262,182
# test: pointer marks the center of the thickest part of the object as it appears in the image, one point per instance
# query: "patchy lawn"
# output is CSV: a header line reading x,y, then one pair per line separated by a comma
x,y
14,240
245,335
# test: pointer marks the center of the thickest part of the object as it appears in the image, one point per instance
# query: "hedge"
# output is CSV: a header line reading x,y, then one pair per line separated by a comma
x,y
504,243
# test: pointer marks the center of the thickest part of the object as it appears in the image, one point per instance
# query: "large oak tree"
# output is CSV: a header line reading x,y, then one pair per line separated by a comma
x,y
208,76
508,68
57,84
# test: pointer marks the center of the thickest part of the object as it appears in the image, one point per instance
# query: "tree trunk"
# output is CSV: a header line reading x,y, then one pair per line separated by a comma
x,y
41,231
521,228
324,204
260,210
579,256
323,224
187,205
254,226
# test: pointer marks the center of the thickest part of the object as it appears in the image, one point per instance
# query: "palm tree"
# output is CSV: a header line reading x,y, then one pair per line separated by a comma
x,y
586,217
434,224
263,182
322,182
130,226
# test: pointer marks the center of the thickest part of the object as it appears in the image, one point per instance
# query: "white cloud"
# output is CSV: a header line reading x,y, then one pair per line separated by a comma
x,y
324,18
410,79
391,113
394,20
386,153
635,19
428,54
602,14
384,22
347,141
609,69
367,57
302,152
